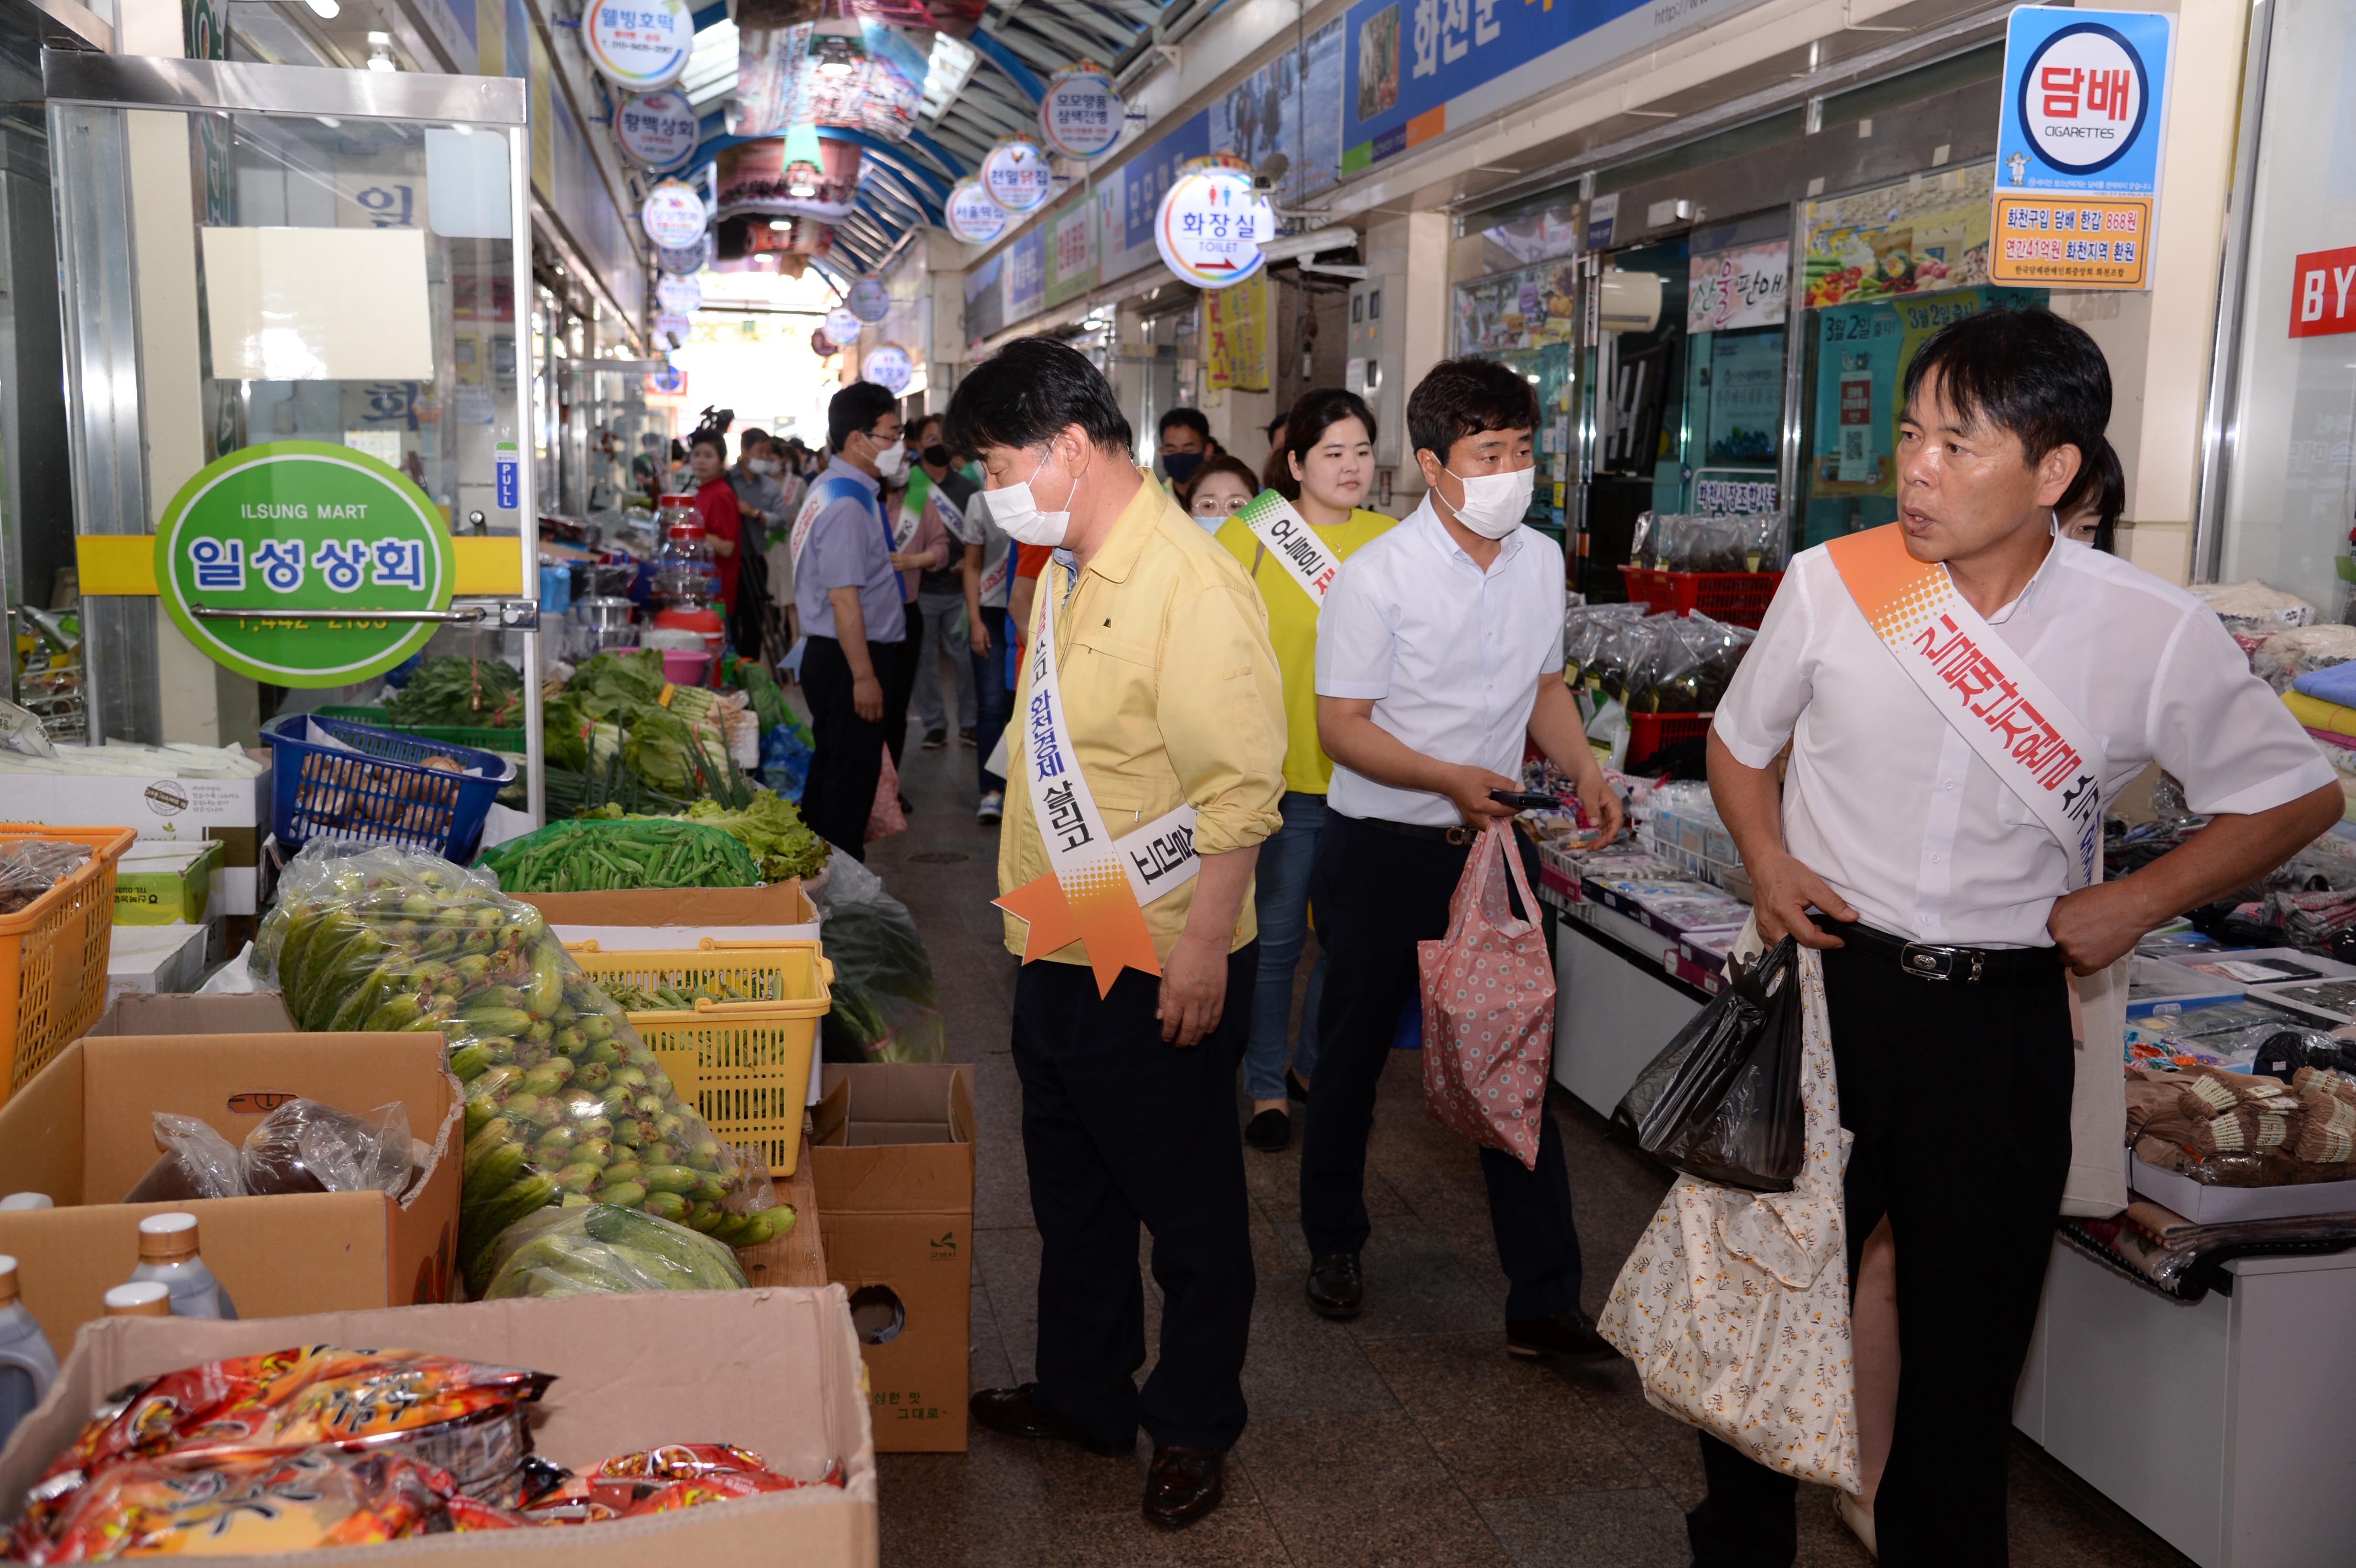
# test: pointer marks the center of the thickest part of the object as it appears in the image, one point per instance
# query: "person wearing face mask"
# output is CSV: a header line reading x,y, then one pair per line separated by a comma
x,y
1439,653
849,600
715,502
1185,443
1149,694
941,634
920,544
761,500
1332,457
1218,489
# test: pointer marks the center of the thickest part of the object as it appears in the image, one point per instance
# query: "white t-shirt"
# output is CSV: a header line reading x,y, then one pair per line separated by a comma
x,y
978,528
1452,655
1892,808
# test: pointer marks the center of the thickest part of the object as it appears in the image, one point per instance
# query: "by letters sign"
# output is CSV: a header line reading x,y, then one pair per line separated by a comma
x,y
2323,292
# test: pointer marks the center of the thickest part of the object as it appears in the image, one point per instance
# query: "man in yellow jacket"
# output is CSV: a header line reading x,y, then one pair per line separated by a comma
x,y
1145,762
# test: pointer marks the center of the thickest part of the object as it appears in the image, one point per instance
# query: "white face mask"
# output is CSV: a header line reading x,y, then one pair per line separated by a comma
x,y
1495,504
1016,511
890,460
766,465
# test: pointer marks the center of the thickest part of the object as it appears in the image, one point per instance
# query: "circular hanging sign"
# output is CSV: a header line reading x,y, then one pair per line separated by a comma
x,y
311,526
638,45
868,300
1016,176
2087,67
973,215
676,291
888,365
673,326
672,216
657,129
685,260
1080,113
841,326
1211,223
671,382
821,344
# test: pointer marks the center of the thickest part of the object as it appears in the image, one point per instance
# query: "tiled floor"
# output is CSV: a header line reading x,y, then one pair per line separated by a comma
x,y
1406,1438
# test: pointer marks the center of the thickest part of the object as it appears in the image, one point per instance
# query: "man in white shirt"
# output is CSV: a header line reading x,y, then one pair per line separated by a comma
x,y
1943,900
987,571
1439,649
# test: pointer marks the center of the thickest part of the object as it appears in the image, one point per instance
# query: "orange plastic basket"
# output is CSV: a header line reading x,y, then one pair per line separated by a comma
x,y
53,952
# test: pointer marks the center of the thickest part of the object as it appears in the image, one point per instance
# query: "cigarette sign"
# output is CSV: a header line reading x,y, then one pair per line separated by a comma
x,y
2323,292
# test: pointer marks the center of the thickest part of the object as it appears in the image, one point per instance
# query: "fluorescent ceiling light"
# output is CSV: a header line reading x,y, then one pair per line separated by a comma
x,y
326,10
951,64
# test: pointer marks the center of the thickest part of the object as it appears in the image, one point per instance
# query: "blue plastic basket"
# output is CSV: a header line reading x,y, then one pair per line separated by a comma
x,y
379,792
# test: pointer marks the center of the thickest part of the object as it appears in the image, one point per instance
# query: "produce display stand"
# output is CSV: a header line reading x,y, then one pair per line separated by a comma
x,y
797,1257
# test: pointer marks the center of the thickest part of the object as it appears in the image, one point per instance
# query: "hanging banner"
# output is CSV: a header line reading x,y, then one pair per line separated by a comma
x,y
1236,325
974,216
756,178
2084,117
1727,290
307,526
1080,113
888,365
1016,173
679,293
841,326
869,300
639,45
1210,224
657,130
672,216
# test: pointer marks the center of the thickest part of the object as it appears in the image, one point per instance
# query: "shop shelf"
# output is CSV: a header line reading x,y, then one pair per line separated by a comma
x,y
1649,733
53,952
380,791
1737,598
749,1060
482,739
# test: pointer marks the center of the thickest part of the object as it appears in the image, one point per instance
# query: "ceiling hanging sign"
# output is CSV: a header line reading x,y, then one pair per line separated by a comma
x,y
639,45
657,130
2083,118
1080,113
672,216
1016,176
888,365
1211,223
310,546
974,216
671,382
869,300
673,326
841,326
686,259
679,293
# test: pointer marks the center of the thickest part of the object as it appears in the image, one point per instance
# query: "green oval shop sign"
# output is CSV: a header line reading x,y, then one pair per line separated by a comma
x,y
309,544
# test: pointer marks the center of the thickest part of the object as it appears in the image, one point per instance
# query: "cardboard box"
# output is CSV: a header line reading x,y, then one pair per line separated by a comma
x,y
236,812
892,1158
82,1132
659,919
148,958
250,1012
158,882
775,1370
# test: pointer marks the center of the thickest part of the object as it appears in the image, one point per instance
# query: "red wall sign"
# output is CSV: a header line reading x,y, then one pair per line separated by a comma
x,y
2323,293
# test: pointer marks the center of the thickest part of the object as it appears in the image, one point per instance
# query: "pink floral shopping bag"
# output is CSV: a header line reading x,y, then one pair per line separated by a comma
x,y
1488,1006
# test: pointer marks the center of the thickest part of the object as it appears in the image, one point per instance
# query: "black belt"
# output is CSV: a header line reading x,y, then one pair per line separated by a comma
x,y
1934,960
1460,836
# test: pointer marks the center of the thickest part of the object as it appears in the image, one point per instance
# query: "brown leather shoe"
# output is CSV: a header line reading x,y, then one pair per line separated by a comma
x,y
1016,1412
1183,1485
1336,1288
1567,1336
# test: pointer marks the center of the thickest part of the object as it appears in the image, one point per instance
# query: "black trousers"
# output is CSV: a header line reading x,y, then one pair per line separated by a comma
x,y
1973,1220
1374,895
848,758
993,701
1120,1130
900,681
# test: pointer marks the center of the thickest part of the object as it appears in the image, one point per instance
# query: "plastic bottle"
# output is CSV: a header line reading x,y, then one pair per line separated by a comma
x,y
140,1298
16,1200
167,1256
28,1365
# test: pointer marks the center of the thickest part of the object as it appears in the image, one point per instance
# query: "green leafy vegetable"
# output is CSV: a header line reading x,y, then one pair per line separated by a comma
x,y
772,830
456,690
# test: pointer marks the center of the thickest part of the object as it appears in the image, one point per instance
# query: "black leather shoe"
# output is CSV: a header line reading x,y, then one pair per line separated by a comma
x,y
1183,1485
1294,1089
1016,1412
1336,1288
1565,1336
1271,1132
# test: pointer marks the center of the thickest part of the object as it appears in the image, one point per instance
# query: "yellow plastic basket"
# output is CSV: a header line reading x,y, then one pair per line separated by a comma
x,y
53,952
743,1065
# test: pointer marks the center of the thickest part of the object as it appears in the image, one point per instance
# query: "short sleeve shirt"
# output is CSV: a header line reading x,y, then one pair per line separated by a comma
x,y
975,526
846,548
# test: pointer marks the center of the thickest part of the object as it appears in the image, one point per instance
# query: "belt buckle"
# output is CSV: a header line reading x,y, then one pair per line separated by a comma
x,y
1460,836
1929,961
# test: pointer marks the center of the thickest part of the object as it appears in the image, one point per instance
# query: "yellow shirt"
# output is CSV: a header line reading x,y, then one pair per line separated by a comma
x,y
1292,628
1173,696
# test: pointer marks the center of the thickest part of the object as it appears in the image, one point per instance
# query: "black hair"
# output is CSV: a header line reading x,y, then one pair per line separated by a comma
x,y
1191,418
749,435
1276,426
1028,393
1318,411
1234,467
2027,372
921,421
678,452
1467,396
854,409
716,440
2101,484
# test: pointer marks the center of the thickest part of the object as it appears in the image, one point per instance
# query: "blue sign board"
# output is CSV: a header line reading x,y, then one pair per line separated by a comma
x,y
2085,101
1026,274
510,474
1146,177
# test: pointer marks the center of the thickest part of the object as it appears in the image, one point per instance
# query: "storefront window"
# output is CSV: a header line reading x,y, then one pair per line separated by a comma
x,y
2291,414
1530,319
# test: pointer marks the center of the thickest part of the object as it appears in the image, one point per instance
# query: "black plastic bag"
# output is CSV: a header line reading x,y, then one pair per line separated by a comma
x,y
1721,1103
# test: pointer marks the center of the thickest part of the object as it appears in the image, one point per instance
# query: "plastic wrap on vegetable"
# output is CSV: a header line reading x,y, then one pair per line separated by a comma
x,y
304,1146
241,1504
197,1162
885,1007
562,1097
597,1249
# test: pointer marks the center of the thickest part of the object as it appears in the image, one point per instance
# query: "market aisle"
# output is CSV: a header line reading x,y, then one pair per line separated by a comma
x,y
1406,1438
